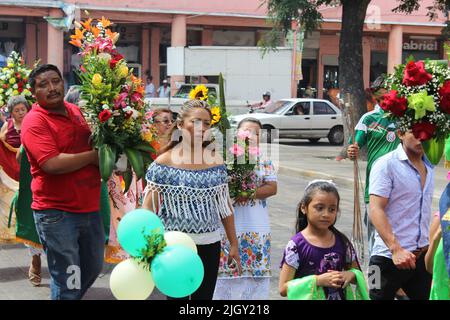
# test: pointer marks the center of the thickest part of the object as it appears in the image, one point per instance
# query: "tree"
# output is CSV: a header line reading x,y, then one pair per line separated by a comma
x,y
306,13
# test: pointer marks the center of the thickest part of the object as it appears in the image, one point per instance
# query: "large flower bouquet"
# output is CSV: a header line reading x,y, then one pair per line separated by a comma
x,y
14,79
419,100
112,99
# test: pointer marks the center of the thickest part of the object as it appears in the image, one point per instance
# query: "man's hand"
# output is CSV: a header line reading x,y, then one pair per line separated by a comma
x,y
403,259
353,151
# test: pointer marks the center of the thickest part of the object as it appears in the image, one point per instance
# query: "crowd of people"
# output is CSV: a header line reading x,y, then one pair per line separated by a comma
x,y
46,150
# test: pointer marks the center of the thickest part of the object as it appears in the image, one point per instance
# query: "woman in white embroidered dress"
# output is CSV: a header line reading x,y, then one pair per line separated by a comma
x,y
187,188
253,232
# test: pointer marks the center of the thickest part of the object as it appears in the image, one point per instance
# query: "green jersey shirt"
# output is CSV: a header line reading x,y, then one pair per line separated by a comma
x,y
380,136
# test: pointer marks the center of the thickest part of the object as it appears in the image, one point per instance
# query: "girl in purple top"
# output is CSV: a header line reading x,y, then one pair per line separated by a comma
x,y
319,248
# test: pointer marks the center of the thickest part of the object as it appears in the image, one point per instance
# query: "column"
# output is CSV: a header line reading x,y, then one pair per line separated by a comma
x,y
30,43
178,39
154,55
366,62
145,51
42,42
395,47
55,45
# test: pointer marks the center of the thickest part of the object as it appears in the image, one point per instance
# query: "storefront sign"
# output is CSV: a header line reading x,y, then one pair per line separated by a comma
x,y
421,45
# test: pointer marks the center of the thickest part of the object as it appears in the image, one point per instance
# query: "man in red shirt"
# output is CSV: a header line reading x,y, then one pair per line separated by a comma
x,y
65,186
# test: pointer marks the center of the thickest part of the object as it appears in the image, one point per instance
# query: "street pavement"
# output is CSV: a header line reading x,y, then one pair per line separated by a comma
x,y
299,162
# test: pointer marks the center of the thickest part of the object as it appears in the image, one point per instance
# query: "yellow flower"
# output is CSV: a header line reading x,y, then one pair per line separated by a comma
x,y
147,136
15,93
26,92
12,81
123,71
215,111
97,80
200,92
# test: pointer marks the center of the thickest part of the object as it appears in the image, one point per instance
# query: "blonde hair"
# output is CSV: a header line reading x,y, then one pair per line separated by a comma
x,y
185,111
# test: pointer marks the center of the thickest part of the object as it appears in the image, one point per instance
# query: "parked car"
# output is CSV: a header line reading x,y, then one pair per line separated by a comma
x,y
304,118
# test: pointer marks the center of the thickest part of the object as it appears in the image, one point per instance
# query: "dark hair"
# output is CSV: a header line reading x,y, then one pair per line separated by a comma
x,y
186,109
252,120
41,69
302,221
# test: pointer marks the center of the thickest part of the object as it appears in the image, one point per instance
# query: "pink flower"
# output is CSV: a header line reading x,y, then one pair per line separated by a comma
x,y
254,151
243,134
149,115
120,101
237,150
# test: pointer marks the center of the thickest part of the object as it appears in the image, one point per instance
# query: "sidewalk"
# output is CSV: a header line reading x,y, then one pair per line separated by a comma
x,y
317,161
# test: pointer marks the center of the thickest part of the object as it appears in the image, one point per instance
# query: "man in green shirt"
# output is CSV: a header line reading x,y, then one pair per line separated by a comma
x,y
379,135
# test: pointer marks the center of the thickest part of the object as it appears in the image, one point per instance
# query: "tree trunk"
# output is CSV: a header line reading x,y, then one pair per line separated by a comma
x,y
351,80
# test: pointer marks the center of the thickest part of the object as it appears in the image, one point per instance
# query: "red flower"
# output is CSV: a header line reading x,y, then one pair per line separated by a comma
x,y
116,57
18,75
394,104
415,74
104,115
20,90
444,92
423,130
20,84
128,114
5,86
82,68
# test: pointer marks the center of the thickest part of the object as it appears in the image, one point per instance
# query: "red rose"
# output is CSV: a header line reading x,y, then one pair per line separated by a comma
x,y
394,104
20,90
18,75
423,130
20,84
444,93
415,74
116,57
5,86
104,115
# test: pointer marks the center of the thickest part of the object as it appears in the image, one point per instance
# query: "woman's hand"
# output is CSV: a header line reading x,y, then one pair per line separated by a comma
x,y
241,201
349,277
234,260
331,279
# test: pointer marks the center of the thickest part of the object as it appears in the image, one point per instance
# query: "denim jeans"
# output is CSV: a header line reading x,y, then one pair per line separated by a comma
x,y
74,245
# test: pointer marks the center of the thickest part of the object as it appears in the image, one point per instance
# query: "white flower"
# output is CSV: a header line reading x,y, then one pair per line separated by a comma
x,y
105,107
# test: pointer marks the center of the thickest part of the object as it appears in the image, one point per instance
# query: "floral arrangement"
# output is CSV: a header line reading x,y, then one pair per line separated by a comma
x,y
241,168
14,79
419,100
112,99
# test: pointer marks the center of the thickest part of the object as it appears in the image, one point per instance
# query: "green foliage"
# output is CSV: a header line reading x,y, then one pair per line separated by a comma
x,y
155,245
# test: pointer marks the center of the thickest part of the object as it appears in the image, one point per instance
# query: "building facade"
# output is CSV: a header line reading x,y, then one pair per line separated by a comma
x,y
149,27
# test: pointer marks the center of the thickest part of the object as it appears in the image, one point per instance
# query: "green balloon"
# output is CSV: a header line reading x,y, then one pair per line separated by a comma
x,y
133,228
177,271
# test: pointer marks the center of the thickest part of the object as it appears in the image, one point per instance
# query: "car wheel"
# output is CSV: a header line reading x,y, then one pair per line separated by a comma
x,y
314,140
268,133
336,136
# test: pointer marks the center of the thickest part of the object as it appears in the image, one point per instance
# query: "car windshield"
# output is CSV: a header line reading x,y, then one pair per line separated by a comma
x,y
275,107
183,92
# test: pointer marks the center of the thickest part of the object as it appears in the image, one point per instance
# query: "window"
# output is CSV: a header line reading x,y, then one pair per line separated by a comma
x,y
300,109
323,108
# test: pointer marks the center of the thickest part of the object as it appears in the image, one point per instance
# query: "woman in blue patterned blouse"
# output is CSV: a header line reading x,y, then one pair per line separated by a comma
x,y
187,188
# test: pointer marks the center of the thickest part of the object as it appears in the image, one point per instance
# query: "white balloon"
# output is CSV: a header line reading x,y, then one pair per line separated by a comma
x,y
130,281
179,238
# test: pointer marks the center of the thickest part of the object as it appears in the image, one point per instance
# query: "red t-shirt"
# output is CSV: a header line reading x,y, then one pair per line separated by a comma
x,y
44,136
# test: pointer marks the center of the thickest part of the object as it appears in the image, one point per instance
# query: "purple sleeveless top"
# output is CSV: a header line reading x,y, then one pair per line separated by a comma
x,y
12,135
308,260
